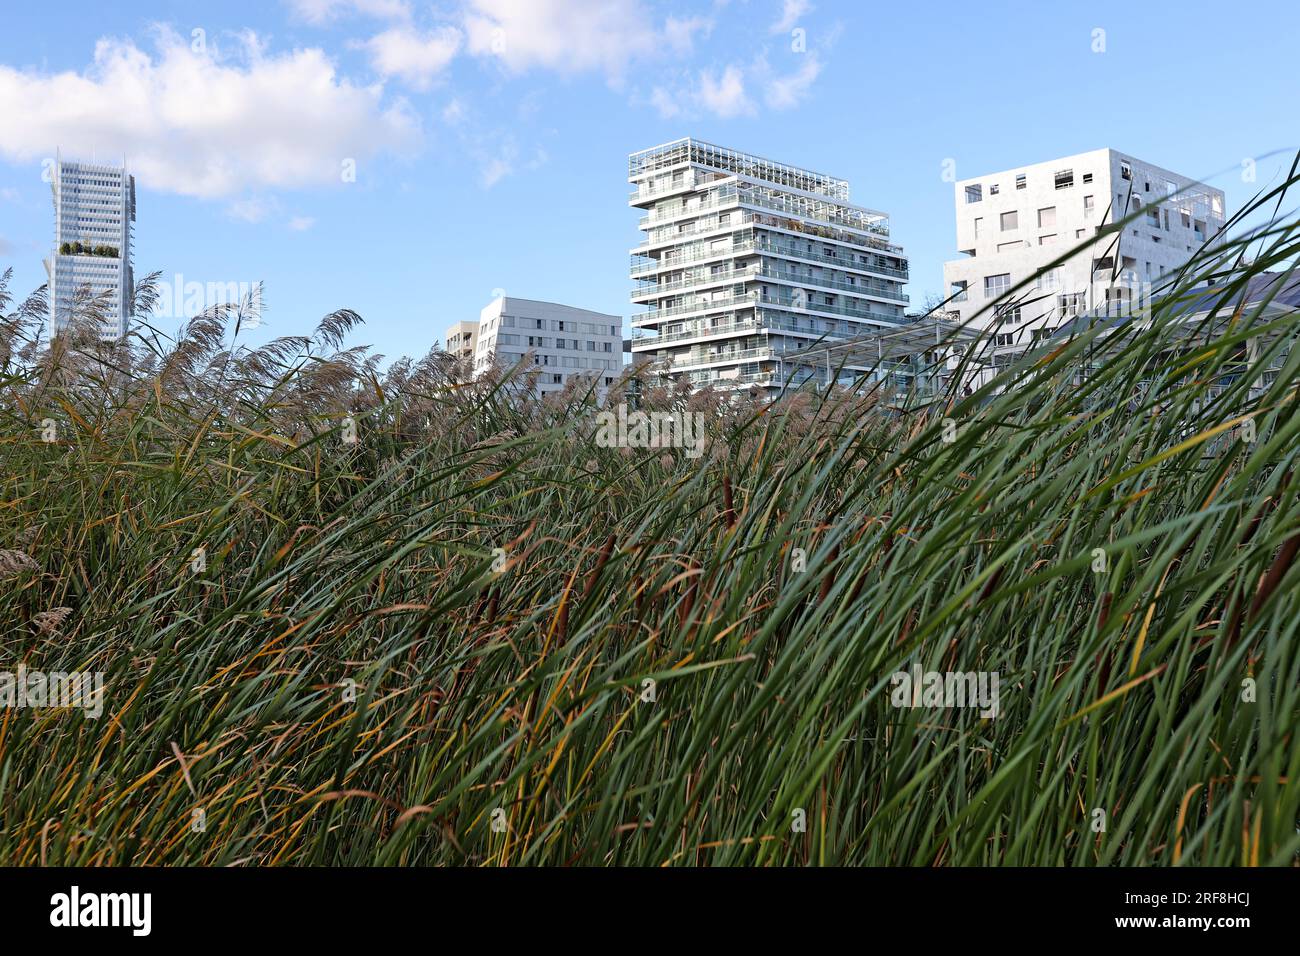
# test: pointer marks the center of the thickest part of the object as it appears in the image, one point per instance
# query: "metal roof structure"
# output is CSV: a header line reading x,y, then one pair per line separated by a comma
x,y
902,341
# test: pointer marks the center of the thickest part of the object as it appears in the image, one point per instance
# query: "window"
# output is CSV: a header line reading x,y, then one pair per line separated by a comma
x,y
1071,303
1010,246
1049,279
1047,218
1087,177
958,290
1088,205
1125,170
995,286
1007,313
993,190
979,221
1047,240
1010,220
1064,178
974,193
1020,180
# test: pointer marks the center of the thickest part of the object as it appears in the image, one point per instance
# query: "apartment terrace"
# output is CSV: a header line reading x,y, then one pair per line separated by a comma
x,y
687,151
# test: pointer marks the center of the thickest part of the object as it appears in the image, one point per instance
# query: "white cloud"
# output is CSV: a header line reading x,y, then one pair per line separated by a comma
x,y
680,34
791,11
453,112
731,93
665,102
725,95
203,126
571,37
6,247
498,157
252,209
301,223
323,11
496,169
783,92
415,57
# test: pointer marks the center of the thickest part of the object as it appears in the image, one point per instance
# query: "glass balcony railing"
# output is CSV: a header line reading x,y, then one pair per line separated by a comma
x,y
747,242
697,279
807,305
844,259
640,338
822,282
713,305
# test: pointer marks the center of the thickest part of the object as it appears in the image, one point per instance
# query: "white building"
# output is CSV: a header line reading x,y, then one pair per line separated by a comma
x,y
94,208
1013,224
745,258
559,340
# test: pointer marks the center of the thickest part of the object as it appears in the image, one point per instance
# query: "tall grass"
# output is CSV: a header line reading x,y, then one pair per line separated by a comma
x,y
476,637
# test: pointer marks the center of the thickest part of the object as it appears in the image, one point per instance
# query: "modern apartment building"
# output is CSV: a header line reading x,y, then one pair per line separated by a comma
x,y
94,209
745,258
462,340
559,340
1011,225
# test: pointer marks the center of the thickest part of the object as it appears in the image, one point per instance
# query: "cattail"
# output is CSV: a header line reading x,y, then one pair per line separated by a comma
x,y
1281,564
992,585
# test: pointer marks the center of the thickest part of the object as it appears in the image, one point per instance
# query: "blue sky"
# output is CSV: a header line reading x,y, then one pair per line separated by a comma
x,y
490,137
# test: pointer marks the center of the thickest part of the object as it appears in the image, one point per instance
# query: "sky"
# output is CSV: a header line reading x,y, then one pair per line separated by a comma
x,y
412,160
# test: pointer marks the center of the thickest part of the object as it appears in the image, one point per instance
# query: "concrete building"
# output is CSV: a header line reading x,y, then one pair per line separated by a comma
x,y
745,258
462,340
559,340
94,209
1012,225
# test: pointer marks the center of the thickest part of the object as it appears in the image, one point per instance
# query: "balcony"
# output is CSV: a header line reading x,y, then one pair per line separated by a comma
x,y
789,302
643,265
647,342
762,322
652,289
714,305
844,262
821,282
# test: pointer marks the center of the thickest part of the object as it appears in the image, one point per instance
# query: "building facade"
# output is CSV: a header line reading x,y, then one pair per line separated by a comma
x,y
90,268
559,340
1013,225
462,340
745,258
